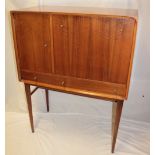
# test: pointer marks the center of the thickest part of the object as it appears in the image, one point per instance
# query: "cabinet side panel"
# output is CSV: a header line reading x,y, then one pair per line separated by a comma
x,y
13,23
132,55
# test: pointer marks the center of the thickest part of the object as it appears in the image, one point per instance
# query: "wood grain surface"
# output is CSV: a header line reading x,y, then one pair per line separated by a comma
x,y
89,48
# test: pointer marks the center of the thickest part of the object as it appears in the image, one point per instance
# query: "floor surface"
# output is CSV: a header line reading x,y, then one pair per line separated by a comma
x,y
72,134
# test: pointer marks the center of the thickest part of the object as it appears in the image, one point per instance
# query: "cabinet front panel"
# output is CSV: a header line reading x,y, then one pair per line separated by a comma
x,y
80,46
33,41
91,47
101,48
82,85
120,46
85,51
60,31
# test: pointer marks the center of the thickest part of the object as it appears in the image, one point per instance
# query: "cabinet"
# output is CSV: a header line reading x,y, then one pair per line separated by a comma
x,y
84,51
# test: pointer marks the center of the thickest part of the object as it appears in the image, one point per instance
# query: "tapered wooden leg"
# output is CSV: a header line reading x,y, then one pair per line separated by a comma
x,y
29,104
116,115
47,99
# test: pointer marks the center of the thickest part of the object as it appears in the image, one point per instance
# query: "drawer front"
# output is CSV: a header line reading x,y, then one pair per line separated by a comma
x,y
65,82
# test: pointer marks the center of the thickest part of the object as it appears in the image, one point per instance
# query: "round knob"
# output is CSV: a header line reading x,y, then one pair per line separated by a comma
x,y
121,30
35,78
61,25
45,45
62,83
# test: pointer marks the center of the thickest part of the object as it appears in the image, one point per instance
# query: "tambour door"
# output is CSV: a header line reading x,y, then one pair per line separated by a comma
x,y
33,43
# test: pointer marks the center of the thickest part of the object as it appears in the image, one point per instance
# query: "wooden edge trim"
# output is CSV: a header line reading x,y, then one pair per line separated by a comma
x,y
15,45
108,97
132,55
52,42
75,14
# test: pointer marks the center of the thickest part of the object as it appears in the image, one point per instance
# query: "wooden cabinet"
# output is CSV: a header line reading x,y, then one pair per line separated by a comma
x,y
85,51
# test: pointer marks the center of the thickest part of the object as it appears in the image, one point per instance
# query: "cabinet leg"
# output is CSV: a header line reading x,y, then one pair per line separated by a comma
x,y
116,115
29,105
47,99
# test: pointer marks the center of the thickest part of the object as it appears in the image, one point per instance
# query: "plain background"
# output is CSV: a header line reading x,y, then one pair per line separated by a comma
x,y
137,105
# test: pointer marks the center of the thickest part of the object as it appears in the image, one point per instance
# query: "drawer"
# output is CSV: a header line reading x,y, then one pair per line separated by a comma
x,y
65,82
44,78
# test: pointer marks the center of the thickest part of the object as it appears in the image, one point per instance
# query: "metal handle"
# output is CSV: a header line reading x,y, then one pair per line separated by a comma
x,y
61,25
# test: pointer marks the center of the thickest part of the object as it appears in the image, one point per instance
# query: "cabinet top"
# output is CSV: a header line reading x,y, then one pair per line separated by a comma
x,y
82,10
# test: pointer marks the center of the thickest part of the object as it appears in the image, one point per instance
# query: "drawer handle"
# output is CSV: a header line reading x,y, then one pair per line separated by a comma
x,y
62,83
35,78
45,45
61,26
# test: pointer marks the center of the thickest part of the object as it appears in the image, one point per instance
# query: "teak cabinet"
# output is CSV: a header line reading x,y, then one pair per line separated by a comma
x,y
84,51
